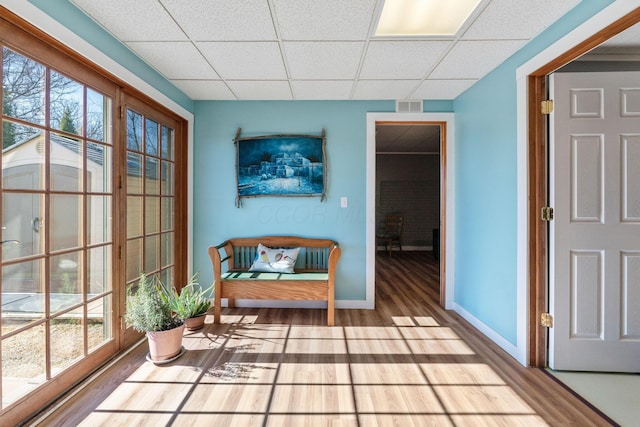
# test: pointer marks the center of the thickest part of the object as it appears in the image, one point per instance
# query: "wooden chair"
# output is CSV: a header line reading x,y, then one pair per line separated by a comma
x,y
391,233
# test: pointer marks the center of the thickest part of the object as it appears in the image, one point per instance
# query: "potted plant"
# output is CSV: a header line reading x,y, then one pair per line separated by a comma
x,y
191,304
149,309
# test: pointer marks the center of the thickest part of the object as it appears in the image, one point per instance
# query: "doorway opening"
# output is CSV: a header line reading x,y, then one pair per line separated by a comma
x,y
408,187
442,125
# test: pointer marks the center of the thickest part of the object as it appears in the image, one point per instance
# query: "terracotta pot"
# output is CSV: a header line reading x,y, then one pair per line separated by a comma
x,y
164,345
194,323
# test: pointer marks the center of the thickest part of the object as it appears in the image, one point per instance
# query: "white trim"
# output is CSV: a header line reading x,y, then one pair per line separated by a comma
x,y
37,17
484,329
370,245
607,16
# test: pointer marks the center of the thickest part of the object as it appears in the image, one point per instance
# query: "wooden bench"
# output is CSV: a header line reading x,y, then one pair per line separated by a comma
x,y
313,279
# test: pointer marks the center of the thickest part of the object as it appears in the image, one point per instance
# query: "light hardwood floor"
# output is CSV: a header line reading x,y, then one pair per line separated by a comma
x,y
407,363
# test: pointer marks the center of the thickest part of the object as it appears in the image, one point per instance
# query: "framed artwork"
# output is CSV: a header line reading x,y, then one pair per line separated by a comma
x,y
280,165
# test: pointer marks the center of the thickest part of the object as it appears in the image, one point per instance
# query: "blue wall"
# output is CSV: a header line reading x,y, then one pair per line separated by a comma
x,y
215,216
486,196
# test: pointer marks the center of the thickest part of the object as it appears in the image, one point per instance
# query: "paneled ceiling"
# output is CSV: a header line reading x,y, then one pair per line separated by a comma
x,y
314,49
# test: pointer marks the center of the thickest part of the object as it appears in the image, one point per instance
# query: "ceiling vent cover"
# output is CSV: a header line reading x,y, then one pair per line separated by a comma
x,y
411,106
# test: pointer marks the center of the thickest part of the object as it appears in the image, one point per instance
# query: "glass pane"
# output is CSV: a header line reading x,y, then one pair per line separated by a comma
x,y
167,213
22,294
22,226
134,259
152,173
99,219
67,339
99,270
98,117
65,221
23,371
167,249
152,215
167,143
66,163
134,131
66,281
134,216
151,254
99,321
22,157
23,88
166,276
167,178
151,137
99,168
134,173
66,104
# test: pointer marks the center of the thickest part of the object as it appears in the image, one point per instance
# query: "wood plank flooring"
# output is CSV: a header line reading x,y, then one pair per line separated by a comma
x,y
406,363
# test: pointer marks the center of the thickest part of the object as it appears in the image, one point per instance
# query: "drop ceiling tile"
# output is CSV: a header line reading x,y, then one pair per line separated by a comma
x,y
474,59
401,59
517,19
323,60
169,58
324,20
140,20
205,89
322,90
384,89
222,20
245,60
261,90
442,89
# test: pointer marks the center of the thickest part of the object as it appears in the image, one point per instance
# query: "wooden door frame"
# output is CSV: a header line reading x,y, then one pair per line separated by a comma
x,y
447,132
537,145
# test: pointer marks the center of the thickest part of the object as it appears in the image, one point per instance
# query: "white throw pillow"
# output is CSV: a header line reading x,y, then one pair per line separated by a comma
x,y
274,260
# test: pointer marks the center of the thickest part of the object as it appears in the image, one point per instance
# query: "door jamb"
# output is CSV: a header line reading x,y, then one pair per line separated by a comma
x,y
446,121
538,176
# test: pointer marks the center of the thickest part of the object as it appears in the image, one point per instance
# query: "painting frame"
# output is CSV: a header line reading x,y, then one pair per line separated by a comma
x,y
280,165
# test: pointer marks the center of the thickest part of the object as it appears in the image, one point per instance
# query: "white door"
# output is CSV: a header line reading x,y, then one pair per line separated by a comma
x,y
594,245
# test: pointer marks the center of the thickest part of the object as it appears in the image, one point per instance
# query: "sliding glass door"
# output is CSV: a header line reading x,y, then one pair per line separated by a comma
x,y
92,193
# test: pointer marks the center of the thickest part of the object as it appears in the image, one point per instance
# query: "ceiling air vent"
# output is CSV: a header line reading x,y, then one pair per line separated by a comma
x,y
414,106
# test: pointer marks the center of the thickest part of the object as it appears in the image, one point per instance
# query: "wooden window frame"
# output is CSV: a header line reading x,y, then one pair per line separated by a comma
x,y
24,38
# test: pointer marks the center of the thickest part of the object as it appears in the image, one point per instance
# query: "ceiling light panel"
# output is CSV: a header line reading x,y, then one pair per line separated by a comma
x,y
424,17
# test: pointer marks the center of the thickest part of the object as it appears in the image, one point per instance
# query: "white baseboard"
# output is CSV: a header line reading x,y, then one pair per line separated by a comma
x,y
490,333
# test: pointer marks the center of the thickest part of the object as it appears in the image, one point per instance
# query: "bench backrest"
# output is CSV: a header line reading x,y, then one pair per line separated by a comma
x,y
313,255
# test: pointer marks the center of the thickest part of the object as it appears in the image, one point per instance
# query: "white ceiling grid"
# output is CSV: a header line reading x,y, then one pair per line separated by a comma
x,y
309,49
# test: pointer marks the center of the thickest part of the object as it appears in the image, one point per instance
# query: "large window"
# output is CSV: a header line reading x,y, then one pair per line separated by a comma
x,y
88,201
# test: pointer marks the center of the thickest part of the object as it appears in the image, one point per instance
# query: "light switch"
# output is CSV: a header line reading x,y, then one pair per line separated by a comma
x,y
344,202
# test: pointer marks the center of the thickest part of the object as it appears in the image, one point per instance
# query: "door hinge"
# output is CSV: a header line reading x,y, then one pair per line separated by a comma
x,y
546,320
119,252
547,106
546,213
121,112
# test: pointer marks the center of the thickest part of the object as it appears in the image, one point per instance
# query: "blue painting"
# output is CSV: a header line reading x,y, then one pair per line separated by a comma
x,y
281,165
